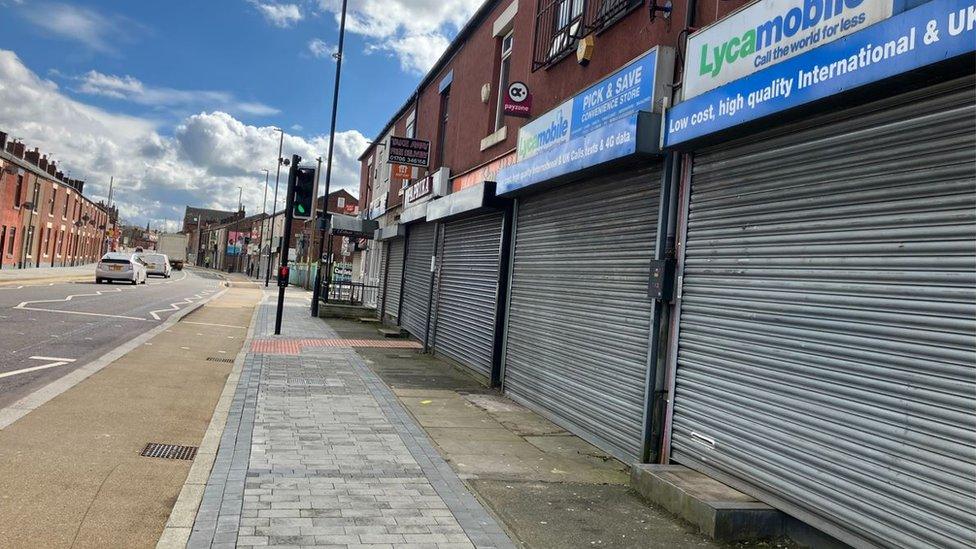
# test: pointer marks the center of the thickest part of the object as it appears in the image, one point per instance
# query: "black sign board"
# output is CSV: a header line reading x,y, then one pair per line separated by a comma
x,y
408,151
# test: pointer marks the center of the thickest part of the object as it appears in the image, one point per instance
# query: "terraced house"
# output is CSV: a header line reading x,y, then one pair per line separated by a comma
x,y
45,218
733,237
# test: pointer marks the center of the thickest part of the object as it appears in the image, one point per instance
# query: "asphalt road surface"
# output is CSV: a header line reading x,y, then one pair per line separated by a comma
x,y
47,330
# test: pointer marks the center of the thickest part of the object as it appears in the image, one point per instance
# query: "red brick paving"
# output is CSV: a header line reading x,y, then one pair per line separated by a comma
x,y
282,346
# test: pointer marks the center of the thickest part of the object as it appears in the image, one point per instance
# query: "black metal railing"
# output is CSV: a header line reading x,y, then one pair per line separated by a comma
x,y
559,24
346,293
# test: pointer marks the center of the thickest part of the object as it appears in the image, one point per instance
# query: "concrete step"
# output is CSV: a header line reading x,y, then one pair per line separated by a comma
x,y
369,320
719,511
393,332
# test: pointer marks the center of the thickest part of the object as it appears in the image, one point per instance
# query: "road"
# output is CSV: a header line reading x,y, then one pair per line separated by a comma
x,y
47,330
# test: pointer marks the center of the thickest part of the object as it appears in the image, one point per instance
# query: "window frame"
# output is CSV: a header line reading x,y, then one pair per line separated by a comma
x,y
504,73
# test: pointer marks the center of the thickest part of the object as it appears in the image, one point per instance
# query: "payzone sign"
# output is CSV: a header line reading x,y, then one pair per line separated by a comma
x,y
770,31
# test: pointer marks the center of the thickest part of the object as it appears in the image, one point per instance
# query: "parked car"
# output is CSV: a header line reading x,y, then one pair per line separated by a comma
x,y
119,266
156,264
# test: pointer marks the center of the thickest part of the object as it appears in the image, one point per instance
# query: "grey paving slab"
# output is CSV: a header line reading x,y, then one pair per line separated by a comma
x,y
318,452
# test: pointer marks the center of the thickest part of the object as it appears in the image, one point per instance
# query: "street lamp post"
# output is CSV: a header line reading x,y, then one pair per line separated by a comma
x,y
274,206
264,218
328,169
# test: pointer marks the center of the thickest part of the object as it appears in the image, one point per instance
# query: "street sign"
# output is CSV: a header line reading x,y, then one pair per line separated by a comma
x,y
409,151
518,100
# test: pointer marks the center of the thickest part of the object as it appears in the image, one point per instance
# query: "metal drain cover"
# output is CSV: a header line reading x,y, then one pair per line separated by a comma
x,y
169,451
218,359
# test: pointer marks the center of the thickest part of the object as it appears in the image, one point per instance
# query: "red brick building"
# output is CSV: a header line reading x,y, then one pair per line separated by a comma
x,y
45,219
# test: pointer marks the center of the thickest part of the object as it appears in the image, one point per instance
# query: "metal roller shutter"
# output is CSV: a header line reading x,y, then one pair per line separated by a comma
x,y
468,290
416,279
394,276
378,273
579,317
826,351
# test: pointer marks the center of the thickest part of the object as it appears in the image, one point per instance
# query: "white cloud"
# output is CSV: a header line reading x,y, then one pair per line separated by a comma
x,y
279,15
320,48
416,32
84,25
209,155
132,89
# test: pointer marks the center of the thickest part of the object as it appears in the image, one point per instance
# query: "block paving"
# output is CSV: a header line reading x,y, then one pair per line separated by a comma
x,y
318,452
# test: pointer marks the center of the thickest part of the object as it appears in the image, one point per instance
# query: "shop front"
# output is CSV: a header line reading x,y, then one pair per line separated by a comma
x,y
586,185
390,245
822,357
471,278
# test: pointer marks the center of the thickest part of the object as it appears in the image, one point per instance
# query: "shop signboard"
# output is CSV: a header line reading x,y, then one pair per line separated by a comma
x,y
409,151
518,100
488,172
932,32
235,242
418,190
632,88
609,142
767,32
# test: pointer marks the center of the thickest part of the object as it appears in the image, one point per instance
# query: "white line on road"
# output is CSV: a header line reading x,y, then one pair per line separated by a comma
x,y
174,306
57,362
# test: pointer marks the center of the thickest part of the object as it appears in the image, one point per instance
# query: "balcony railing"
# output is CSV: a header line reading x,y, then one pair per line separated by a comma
x,y
559,24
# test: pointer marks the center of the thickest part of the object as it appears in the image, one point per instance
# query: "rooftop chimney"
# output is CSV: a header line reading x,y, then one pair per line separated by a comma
x,y
42,164
33,156
52,169
3,140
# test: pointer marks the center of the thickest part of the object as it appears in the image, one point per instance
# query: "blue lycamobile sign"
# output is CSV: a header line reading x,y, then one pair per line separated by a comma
x,y
932,32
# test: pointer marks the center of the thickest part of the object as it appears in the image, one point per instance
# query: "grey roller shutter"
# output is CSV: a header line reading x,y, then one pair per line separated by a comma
x,y
826,349
467,290
394,276
416,280
579,313
380,256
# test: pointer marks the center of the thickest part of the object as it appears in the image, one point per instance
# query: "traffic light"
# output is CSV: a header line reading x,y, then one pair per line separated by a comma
x,y
303,206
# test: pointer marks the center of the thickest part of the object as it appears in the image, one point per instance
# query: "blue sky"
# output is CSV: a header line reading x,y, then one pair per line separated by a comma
x,y
177,99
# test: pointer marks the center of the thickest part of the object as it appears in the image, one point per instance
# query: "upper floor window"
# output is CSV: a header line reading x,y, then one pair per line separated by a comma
x,y
506,63
19,191
341,202
411,129
442,124
64,213
54,199
560,23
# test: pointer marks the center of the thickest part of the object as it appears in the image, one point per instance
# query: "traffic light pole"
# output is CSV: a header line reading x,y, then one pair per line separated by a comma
x,y
286,239
316,289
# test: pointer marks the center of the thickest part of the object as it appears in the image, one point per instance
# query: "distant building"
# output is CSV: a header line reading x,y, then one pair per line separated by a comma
x,y
45,219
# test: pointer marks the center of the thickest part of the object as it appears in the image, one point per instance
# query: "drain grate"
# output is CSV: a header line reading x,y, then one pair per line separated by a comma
x,y
218,359
169,451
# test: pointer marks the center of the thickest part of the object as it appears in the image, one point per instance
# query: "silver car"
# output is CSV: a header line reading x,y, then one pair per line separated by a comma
x,y
156,264
119,266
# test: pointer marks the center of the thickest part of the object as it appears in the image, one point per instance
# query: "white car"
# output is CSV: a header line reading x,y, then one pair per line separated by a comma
x,y
118,266
156,264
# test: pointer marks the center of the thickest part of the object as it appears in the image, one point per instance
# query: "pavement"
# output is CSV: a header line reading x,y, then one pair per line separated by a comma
x,y
37,275
49,329
71,473
317,451
337,437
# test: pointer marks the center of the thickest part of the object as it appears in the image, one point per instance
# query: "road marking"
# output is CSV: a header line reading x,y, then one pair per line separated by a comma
x,y
175,306
212,324
57,362
24,306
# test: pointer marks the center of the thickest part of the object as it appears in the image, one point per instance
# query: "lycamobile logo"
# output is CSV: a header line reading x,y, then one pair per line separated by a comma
x,y
554,133
771,32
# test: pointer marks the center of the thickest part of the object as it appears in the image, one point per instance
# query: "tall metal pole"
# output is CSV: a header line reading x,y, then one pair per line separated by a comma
x,y
274,205
314,220
328,166
286,239
240,198
264,218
